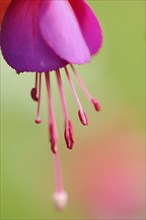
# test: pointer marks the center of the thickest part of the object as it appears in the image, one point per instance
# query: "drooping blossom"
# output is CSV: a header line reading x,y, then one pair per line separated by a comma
x,y
41,36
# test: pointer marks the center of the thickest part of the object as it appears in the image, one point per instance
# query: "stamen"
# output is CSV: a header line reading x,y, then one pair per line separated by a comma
x,y
38,119
68,134
34,90
86,92
82,115
51,125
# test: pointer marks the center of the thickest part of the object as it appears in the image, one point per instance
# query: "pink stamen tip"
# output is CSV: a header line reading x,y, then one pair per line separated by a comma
x,y
34,94
53,148
38,121
68,134
83,117
53,139
96,104
53,145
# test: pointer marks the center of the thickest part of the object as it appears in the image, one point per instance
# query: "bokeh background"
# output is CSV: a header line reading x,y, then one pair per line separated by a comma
x,y
104,174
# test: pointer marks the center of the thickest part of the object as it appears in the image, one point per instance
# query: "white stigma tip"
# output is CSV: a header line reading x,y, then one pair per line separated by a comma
x,y
60,200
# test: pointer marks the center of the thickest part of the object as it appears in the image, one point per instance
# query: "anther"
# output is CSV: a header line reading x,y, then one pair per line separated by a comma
x,y
34,94
96,104
34,90
86,92
53,138
68,134
83,117
38,121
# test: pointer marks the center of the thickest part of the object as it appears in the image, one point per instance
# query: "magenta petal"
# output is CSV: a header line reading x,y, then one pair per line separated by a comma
x,y
61,31
22,45
88,24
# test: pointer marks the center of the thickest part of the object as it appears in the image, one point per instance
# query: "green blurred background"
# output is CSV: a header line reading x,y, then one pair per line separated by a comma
x,y
104,173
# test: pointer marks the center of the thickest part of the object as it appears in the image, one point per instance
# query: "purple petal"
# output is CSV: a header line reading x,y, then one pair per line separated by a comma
x,y
22,45
61,31
88,24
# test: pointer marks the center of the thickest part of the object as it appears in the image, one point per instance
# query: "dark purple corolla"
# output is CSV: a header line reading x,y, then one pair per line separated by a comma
x,y
44,35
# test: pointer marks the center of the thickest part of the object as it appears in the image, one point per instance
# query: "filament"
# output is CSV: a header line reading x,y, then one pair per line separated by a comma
x,y
86,92
62,95
38,119
81,113
51,124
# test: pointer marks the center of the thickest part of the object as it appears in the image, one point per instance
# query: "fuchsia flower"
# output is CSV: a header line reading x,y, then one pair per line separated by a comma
x,y
45,35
